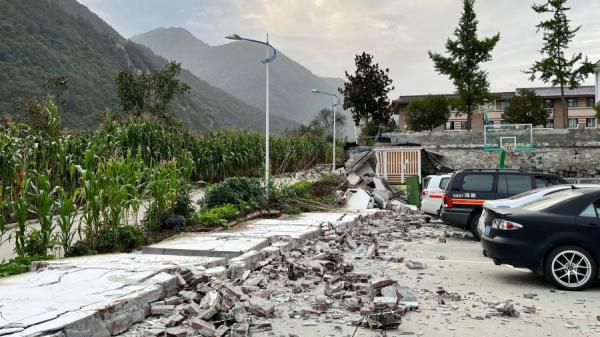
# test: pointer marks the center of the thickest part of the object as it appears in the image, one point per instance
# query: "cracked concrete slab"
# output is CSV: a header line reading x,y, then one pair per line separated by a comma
x,y
254,235
72,294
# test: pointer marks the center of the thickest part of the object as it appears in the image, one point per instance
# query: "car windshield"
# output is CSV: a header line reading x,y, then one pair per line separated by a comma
x,y
531,192
551,200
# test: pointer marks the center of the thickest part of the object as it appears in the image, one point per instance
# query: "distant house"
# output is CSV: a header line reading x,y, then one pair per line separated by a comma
x,y
581,102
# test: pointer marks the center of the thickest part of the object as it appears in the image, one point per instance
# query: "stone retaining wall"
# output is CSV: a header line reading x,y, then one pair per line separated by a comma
x,y
568,152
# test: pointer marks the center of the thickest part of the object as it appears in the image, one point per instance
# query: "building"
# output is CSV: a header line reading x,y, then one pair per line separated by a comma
x,y
581,102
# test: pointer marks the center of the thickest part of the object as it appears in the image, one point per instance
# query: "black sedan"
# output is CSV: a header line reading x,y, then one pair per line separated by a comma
x,y
557,236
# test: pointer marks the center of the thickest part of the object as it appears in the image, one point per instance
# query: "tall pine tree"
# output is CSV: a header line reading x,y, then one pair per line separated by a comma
x,y
462,65
554,66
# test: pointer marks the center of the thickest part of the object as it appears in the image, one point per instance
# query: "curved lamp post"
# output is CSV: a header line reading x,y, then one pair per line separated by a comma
x,y
266,61
336,102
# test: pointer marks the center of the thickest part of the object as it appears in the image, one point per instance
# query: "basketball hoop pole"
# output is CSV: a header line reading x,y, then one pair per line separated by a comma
x,y
502,158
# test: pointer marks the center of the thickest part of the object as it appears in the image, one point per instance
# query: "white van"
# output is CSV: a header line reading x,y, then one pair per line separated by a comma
x,y
433,193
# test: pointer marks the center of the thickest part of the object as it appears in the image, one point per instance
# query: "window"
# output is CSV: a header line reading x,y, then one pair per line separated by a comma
x,y
502,105
426,182
591,101
444,183
590,122
463,125
449,125
572,102
548,103
542,182
513,183
572,122
549,124
591,211
551,200
478,183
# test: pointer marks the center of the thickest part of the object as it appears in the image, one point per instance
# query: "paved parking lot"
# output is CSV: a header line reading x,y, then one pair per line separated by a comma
x,y
480,284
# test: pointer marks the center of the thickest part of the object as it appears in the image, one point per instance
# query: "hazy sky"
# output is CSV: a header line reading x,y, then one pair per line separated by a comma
x,y
324,35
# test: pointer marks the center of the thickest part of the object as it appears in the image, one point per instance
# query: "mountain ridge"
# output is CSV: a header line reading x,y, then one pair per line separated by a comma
x,y
235,67
64,37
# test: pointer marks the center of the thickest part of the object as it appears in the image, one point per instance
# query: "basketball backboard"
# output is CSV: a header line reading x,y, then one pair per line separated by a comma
x,y
512,137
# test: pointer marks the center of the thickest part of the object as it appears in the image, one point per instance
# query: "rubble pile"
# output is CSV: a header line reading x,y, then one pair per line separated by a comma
x,y
315,281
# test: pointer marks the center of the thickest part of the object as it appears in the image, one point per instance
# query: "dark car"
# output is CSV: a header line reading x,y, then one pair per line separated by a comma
x,y
469,189
557,236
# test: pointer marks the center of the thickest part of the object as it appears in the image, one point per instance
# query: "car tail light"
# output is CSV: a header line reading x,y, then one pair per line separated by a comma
x,y
425,194
505,225
448,201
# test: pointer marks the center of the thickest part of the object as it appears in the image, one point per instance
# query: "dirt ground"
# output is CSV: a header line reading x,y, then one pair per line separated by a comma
x,y
459,267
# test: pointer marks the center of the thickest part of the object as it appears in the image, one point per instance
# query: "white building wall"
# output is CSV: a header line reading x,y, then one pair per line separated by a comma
x,y
598,82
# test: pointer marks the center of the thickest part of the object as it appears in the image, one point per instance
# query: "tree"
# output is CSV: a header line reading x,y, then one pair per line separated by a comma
x,y
597,108
526,108
365,92
57,86
40,115
462,65
554,66
322,124
427,113
150,92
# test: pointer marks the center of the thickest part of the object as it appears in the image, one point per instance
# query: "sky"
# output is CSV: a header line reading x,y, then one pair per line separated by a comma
x,y
325,35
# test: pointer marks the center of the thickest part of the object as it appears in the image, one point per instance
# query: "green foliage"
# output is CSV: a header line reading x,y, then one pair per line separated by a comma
x,y
150,92
365,92
526,108
183,205
322,124
597,108
392,126
427,113
233,191
123,239
18,265
554,67
462,65
217,216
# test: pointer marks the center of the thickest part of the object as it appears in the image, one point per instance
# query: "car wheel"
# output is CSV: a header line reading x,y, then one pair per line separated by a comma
x,y
473,220
570,268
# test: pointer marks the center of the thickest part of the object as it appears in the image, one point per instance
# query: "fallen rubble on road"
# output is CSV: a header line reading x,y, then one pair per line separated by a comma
x,y
315,281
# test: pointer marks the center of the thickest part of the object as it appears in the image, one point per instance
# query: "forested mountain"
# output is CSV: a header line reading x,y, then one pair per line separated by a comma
x,y
236,68
39,37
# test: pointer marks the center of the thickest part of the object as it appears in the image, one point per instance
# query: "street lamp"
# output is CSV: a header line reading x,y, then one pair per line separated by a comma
x,y
266,61
336,102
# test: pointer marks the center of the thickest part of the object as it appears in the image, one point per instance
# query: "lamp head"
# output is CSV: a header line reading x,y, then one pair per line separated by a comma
x,y
315,91
233,37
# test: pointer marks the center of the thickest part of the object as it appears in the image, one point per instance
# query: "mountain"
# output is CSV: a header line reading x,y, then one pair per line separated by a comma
x,y
40,37
236,68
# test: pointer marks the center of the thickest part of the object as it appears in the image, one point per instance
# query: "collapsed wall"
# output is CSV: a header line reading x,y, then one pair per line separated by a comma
x,y
568,152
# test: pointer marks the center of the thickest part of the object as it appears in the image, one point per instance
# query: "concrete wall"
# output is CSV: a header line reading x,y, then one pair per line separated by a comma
x,y
568,152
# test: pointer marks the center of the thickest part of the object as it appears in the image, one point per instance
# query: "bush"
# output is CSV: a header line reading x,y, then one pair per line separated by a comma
x,y
126,239
217,216
18,265
80,248
183,205
234,191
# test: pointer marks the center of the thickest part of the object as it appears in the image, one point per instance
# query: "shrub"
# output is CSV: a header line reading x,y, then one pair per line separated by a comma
x,y
183,205
18,265
233,191
80,248
126,239
217,216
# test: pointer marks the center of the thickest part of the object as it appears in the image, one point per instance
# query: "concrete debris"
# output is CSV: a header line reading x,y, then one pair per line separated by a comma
x,y
412,264
312,279
507,309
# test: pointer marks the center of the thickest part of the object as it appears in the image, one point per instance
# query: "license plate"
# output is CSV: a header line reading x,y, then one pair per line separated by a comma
x,y
487,230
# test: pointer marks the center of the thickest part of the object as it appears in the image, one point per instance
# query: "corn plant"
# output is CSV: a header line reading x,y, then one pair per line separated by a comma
x,y
44,209
66,206
20,213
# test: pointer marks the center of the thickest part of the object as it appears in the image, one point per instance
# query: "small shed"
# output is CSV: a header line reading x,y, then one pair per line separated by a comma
x,y
396,163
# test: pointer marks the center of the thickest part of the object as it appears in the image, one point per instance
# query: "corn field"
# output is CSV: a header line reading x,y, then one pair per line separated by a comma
x,y
103,176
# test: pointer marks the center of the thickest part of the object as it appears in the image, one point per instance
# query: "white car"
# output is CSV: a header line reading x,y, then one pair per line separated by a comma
x,y
524,199
433,192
